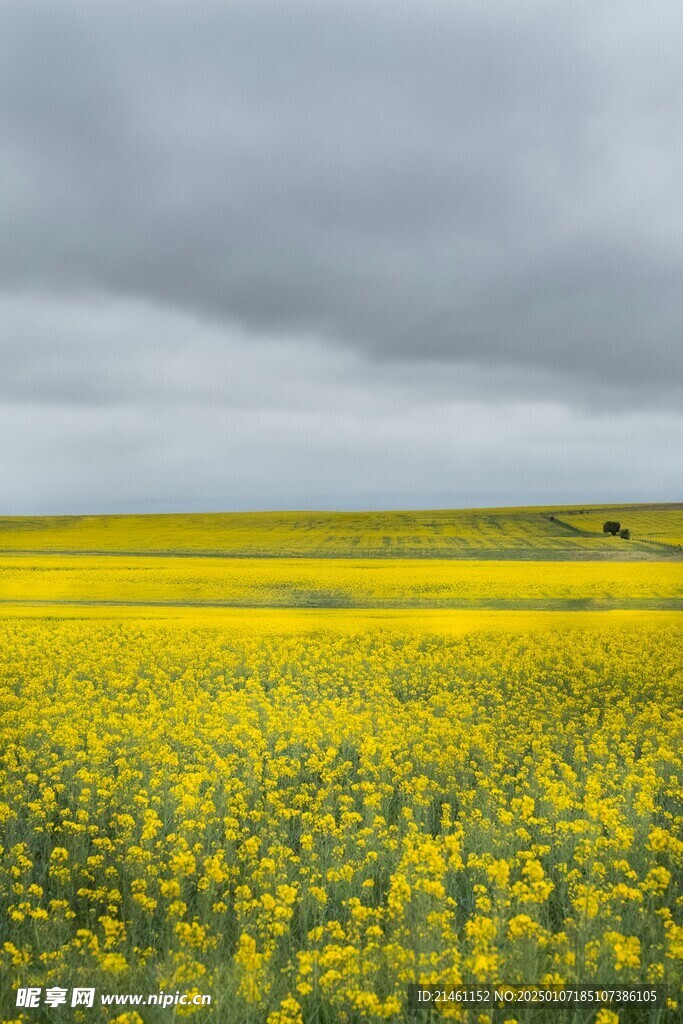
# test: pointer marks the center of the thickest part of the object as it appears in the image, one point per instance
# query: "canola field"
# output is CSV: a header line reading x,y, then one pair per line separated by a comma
x,y
300,784
655,525
301,822
538,532
345,583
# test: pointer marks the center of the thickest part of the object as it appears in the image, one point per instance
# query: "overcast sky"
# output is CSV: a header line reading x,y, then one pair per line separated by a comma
x,y
347,254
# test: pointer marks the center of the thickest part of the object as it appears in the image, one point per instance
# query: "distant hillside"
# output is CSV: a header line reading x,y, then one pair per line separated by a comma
x,y
653,524
536,533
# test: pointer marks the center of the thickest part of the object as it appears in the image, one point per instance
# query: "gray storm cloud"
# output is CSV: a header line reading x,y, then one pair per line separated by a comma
x,y
483,182
201,417
291,253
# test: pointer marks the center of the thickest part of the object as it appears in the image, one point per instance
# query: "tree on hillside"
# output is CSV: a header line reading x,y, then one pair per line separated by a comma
x,y
611,527
625,534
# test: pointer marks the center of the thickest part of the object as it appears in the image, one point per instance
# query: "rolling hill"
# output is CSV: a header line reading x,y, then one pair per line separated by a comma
x,y
517,533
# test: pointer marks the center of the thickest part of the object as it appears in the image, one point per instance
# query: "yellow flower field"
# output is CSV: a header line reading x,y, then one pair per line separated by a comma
x,y
536,532
655,524
300,812
316,583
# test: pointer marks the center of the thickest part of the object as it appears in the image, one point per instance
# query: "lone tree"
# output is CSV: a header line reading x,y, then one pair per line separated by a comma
x,y
611,527
625,534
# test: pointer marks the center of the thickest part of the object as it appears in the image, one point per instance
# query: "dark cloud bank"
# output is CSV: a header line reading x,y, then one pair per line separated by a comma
x,y
339,254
